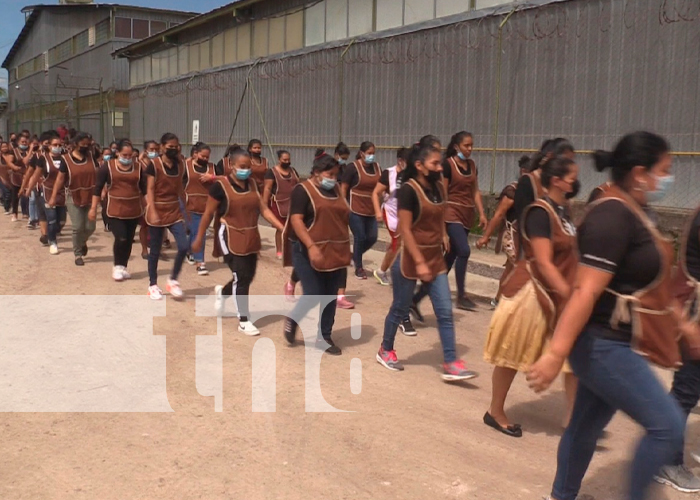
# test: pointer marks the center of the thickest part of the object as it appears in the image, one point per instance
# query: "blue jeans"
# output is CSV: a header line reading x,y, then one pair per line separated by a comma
x,y
612,377
459,254
316,284
6,196
33,214
364,232
686,390
439,292
195,220
53,218
155,234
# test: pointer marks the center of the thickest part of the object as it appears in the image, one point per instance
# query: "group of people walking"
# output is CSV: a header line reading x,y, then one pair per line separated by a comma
x,y
594,299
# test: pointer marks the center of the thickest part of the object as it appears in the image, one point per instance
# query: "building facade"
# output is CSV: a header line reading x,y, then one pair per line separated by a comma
x,y
61,70
301,74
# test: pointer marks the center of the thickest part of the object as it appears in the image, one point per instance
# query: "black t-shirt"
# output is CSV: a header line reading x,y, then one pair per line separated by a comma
x,y
538,225
217,192
57,161
509,192
384,178
219,168
447,169
350,175
408,198
300,202
692,249
612,239
151,169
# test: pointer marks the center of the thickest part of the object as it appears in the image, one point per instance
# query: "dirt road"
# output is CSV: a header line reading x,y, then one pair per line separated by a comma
x,y
409,435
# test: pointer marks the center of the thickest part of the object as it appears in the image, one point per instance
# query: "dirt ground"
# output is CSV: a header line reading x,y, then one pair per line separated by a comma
x,y
409,435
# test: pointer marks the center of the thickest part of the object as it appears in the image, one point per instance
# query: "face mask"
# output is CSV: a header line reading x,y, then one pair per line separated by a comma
x,y
663,185
114,152
152,154
328,184
106,157
461,156
433,176
242,174
23,147
285,166
172,153
342,162
125,161
575,188
83,151
369,159
56,151
256,155
202,163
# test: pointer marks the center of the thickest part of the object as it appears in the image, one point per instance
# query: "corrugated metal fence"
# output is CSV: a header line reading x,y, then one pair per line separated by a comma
x,y
589,70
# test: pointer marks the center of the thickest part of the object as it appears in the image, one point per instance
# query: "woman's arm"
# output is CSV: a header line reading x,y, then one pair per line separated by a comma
x,y
57,187
269,216
267,192
503,206
483,221
377,196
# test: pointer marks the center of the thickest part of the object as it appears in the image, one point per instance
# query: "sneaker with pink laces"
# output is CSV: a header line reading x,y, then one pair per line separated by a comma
x,y
457,370
289,292
389,360
174,289
344,303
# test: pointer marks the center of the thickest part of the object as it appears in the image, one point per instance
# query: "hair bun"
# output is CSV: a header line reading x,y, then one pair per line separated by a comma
x,y
319,152
602,160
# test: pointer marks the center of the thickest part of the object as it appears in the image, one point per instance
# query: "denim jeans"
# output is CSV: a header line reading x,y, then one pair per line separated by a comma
x,y
6,195
155,235
33,214
81,225
612,377
195,220
439,292
459,253
54,217
364,232
316,284
686,390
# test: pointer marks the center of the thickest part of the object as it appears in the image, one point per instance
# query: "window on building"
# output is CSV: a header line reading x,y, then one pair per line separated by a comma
x,y
122,27
80,42
260,37
217,50
390,14
294,31
118,119
102,32
141,29
243,42
276,42
449,7
361,18
315,24
205,55
172,62
230,44
183,61
336,20
158,26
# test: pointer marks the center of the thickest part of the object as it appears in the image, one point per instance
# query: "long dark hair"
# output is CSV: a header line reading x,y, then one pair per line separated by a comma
x,y
635,149
454,141
558,167
323,162
418,154
364,147
342,149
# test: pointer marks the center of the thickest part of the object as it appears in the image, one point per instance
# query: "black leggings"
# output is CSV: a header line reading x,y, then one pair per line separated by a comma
x,y
243,269
123,231
14,199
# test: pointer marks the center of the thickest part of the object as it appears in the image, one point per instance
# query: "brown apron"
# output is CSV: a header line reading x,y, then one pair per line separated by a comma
x,y
124,192
428,231
196,193
460,194
655,332
361,193
686,289
167,195
283,194
81,179
241,218
49,181
258,171
329,230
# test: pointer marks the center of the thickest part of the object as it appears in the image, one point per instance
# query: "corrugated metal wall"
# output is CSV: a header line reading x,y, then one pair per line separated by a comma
x,y
589,70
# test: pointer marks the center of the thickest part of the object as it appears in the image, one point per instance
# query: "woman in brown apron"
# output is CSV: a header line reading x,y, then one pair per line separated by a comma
x,y
357,184
534,294
78,172
24,154
258,164
125,184
164,195
235,200
13,169
5,185
199,176
151,151
279,183
341,155
621,311
421,205
320,248
599,191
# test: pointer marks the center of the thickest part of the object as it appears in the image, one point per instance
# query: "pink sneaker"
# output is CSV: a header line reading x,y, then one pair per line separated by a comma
x,y
289,292
344,303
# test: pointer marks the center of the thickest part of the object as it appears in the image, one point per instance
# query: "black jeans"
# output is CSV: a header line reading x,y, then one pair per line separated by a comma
x,y
316,285
123,231
243,268
14,199
686,390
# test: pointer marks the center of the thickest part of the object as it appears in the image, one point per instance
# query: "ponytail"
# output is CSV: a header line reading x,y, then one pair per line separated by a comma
x,y
454,141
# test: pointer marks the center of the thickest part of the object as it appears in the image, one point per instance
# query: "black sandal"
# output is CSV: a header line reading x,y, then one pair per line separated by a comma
x,y
512,430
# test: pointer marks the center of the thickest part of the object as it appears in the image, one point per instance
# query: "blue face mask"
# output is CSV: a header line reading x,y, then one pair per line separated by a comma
x,y
107,157
328,184
342,161
152,154
369,159
663,185
461,156
56,151
242,174
125,161
23,147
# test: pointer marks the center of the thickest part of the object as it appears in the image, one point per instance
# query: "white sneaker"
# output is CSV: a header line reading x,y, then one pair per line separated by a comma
x,y
155,293
125,273
118,273
174,289
248,328
219,301
14,219
53,249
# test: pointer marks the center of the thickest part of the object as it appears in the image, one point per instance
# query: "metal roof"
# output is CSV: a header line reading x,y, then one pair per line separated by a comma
x,y
35,10
190,23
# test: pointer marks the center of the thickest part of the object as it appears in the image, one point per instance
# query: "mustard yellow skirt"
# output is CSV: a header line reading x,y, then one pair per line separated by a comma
x,y
518,333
